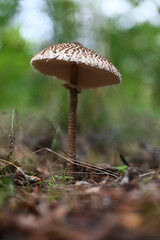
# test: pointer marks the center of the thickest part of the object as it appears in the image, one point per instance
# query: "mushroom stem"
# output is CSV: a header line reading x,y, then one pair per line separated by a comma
x,y
72,120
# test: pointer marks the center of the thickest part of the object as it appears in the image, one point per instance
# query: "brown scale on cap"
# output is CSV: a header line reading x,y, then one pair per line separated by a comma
x,y
80,67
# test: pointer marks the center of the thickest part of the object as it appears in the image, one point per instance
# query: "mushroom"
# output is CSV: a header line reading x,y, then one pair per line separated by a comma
x,y
80,68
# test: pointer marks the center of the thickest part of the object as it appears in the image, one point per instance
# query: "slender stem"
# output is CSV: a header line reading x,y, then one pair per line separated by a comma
x,y
71,151
72,121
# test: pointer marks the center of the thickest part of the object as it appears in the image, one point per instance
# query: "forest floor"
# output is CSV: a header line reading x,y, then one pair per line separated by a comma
x,y
39,202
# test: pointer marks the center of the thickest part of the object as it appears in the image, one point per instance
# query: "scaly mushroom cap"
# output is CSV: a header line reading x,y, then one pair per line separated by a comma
x,y
93,69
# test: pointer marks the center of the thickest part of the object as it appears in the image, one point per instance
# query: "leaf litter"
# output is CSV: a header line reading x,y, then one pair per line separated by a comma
x,y
102,201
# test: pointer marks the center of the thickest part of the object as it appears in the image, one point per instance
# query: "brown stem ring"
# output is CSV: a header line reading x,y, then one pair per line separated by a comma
x,y
72,120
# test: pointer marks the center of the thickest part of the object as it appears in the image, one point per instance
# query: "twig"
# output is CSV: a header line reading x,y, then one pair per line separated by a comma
x,y
10,163
83,164
19,171
146,174
123,159
11,136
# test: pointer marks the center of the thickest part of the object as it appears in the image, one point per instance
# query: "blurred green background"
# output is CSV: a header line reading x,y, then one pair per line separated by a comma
x,y
127,32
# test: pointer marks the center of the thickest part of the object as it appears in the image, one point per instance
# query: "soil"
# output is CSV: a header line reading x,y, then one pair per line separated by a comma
x,y
101,201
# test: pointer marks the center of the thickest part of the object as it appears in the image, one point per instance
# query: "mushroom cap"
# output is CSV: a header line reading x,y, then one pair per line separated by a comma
x,y
93,69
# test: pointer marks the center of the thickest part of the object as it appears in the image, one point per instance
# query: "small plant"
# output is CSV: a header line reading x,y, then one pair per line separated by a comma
x,y
122,169
63,178
60,178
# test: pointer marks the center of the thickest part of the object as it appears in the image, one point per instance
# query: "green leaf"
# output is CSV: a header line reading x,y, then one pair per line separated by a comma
x,y
122,168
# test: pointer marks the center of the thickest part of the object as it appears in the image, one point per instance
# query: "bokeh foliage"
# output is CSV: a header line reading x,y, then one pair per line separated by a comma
x,y
7,10
62,14
134,51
